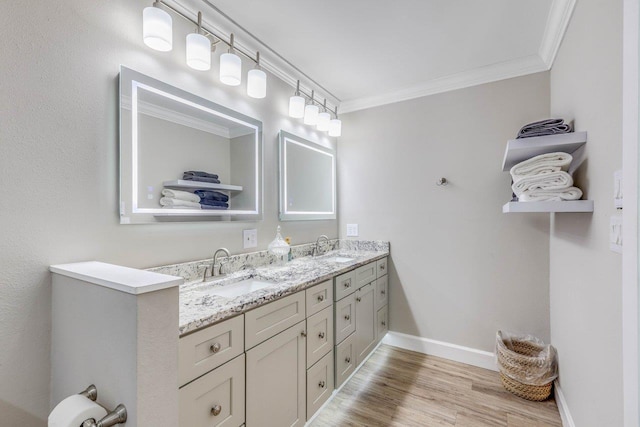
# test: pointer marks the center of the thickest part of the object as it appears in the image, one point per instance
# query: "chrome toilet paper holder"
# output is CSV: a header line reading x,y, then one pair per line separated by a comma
x,y
117,416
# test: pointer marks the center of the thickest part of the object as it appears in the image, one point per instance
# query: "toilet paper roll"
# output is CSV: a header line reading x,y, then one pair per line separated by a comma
x,y
74,410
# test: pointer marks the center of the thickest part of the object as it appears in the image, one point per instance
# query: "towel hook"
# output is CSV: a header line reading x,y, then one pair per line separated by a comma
x,y
442,181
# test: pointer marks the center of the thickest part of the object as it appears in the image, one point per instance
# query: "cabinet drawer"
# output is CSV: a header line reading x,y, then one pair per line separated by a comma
x,y
381,266
383,322
209,348
319,383
268,320
345,285
382,291
345,359
216,399
319,297
366,274
345,317
319,335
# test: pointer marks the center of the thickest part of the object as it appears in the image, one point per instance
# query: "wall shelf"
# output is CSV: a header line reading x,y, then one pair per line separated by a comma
x,y
562,206
519,150
180,183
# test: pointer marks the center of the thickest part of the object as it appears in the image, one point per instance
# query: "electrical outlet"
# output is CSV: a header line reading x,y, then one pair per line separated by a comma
x,y
249,238
352,230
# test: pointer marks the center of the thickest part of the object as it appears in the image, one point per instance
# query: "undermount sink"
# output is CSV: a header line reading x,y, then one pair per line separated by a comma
x,y
339,259
240,288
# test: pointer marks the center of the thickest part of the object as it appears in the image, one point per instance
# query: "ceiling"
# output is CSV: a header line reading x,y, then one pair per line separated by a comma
x,y
365,53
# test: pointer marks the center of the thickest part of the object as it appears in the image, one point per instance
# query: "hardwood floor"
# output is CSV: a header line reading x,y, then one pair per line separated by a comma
x,y
398,387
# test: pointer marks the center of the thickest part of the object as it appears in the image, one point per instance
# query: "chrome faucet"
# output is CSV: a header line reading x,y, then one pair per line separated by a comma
x,y
215,258
316,249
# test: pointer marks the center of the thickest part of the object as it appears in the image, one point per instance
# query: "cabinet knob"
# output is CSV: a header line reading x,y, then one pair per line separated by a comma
x,y
347,359
347,317
347,284
303,334
384,323
215,347
320,298
215,411
321,334
321,384
382,267
383,292
358,299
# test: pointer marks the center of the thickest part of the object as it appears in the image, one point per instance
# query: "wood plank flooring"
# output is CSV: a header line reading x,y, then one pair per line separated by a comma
x,y
398,387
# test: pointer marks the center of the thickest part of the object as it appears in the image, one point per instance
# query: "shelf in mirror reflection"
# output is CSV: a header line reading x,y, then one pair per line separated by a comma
x,y
179,183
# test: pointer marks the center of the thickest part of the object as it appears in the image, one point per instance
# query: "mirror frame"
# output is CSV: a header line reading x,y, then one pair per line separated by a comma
x,y
129,83
285,214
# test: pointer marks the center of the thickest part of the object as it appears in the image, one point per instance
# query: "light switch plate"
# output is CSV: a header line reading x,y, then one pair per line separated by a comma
x,y
615,233
250,238
352,230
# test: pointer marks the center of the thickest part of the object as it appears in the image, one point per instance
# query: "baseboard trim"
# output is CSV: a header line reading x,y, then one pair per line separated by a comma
x,y
458,353
563,408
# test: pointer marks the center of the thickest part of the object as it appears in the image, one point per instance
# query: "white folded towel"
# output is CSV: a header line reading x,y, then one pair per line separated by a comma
x,y
571,193
181,195
548,182
544,163
170,202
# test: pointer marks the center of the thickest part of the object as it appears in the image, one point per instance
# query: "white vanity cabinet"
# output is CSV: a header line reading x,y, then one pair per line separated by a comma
x,y
366,330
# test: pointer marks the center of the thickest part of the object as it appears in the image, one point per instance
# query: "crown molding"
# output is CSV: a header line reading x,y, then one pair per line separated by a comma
x,y
557,24
487,74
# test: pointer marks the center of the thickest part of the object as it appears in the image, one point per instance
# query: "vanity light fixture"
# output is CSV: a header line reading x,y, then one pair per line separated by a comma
x,y
335,125
257,81
198,49
157,29
230,66
323,118
296,104
311,112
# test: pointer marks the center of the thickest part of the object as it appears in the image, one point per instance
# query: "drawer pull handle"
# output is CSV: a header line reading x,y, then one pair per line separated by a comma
x,y
321,384
347,284
215,347
303,334
320,298
347,317
384,323
347,359
321,334
358,299
215,411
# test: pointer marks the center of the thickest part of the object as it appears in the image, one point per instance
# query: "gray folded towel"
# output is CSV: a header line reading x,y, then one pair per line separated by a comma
x,y
201,173
200,179
544,127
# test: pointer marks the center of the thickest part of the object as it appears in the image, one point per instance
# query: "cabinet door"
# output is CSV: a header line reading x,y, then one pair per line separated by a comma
x,y
216,399
345,317
265,321
345,359
319,335
276,380
382,291
319,384
365,322
383,322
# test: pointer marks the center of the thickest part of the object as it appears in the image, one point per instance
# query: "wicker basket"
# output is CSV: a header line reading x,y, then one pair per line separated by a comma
x,y
529,361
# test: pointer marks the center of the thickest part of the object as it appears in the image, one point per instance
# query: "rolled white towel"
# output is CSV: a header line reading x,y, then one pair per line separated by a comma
x,y
170,202
544,163
181,195
571,193
548,182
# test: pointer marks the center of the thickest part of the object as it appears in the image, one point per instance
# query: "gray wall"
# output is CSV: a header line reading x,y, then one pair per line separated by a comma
x,y
586,277
59,163
460,268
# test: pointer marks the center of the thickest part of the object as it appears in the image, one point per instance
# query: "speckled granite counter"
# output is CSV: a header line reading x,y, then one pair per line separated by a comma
x,y
200,308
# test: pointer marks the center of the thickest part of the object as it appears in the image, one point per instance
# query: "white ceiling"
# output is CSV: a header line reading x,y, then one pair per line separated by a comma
x,y
368,52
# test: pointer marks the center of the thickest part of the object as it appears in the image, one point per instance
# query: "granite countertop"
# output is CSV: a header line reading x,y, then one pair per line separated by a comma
x,y
200,308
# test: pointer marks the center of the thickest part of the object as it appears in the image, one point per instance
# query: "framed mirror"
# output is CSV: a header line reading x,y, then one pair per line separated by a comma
x,y
307,179
185,158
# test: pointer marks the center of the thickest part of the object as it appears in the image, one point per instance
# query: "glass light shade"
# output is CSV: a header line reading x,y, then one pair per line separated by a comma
x,y
335,127
157,30
257,83
296,107
323,121
198,52
230,69
311,114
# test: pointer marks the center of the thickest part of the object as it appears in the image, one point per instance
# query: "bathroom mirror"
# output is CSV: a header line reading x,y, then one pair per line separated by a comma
x,y
307,179
171,139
